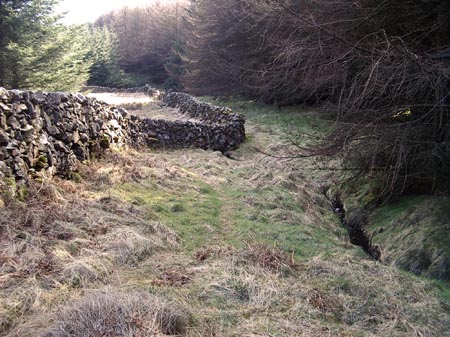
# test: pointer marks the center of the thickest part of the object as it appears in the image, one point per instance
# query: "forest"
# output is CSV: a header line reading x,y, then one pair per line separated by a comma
x,y
380,68
211,168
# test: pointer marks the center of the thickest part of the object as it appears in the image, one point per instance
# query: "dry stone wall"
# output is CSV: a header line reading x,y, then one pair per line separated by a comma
x,y
206,112
52,133
182,134
221,126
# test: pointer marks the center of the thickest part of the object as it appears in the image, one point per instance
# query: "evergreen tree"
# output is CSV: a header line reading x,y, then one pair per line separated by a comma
x,y
149,41
36,52
105,70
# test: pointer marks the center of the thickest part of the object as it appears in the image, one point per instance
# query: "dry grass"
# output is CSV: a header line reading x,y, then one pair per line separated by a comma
x,y
96,250
128,246
66,236
120,314
270,258
173,278
323,298
213,251
123,99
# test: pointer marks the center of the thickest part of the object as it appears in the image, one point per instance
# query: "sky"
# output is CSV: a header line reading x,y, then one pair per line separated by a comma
x,y
83,11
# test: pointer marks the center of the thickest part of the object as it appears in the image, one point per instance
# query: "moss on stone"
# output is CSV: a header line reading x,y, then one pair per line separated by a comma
x,y
104,142
75,177
41,162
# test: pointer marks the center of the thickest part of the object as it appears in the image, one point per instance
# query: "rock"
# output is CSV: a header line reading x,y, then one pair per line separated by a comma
x,y
59,146
3,123
36,97
15,96
22,107
81,99
4,107
4,169
63,97
75,136
57,116
80,152
4,138
84,138
43,141
114,124
3,93
27,133
12,146
13,123
54,98
53,130
20,164
48,121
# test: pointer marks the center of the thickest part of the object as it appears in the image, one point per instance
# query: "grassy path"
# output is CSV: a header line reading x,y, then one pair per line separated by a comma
x,y
246,246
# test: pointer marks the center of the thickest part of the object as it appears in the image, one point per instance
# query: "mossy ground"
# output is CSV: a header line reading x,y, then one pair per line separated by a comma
x,y
248,246
414,232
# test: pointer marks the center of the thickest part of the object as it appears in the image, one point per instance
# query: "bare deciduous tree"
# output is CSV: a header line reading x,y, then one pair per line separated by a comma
x,y
383,66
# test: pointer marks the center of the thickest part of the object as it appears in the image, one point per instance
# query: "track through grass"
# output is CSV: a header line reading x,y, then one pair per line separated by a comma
x,y
244,247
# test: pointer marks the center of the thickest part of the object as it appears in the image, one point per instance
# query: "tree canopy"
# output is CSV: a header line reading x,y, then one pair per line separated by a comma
x,y
149,39
37,52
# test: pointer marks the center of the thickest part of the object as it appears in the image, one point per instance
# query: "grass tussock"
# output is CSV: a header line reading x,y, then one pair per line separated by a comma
x,y
120,314
271,258
213,251
322,297
64,236
173,278
128,246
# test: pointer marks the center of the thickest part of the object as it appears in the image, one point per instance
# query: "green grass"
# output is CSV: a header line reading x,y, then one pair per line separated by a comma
x,y
193,215
385,214
274,217
415,233
293,118
196,215
443,291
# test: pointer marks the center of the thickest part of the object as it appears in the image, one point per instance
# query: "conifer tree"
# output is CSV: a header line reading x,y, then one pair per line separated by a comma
x,y
37,52
105,70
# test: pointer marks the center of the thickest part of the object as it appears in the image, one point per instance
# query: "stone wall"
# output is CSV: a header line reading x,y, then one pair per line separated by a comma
x,y
221,125
51,133
202,111
182,134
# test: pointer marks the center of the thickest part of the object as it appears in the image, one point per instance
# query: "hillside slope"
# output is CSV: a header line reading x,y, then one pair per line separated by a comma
x,y
194,243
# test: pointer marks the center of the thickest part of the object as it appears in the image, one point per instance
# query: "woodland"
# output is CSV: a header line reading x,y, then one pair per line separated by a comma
x,y
322,211
379,68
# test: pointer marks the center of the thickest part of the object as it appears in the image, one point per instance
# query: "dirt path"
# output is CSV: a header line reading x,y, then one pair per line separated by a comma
x,y
142,105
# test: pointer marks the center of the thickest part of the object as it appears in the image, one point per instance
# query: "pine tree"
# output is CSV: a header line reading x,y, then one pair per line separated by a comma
x,y
149,41
36,52
105,70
